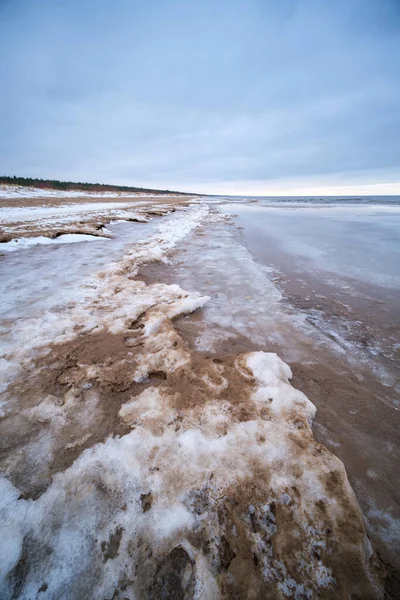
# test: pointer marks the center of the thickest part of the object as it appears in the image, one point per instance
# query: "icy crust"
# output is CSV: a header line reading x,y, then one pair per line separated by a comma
x,y
194,504
17,214
30,223
110,301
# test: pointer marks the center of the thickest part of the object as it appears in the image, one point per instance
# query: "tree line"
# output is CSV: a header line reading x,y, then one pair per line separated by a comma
x,y
55,184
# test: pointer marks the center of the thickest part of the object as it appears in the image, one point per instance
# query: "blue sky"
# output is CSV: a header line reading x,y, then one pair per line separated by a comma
x,y
224,96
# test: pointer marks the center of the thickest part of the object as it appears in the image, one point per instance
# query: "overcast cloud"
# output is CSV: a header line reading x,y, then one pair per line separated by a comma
x,y
256,96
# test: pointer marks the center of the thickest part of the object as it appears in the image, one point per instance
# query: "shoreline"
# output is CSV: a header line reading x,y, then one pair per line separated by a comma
x,y
356,413
193,433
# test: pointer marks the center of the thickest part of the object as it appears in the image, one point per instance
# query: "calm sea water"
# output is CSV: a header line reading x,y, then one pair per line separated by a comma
x,y
315,200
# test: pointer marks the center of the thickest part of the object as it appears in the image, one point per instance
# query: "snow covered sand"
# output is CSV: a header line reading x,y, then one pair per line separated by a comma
x,y
67,238
136,466
17,192
30,214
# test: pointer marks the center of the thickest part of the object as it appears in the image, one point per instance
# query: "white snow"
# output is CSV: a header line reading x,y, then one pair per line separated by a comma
x,y
15,191
67,238
150,408
16,214
272,376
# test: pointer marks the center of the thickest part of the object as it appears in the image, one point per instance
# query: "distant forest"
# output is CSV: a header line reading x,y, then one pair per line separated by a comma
x,y
54,184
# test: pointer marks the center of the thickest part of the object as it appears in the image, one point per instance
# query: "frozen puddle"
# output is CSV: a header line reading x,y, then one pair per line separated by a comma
x,y
136,467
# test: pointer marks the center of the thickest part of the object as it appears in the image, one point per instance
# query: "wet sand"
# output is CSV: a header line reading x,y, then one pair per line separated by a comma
x,y
358,403
363,313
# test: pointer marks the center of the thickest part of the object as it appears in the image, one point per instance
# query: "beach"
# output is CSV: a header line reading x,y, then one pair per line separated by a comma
x,y
341,335
200,397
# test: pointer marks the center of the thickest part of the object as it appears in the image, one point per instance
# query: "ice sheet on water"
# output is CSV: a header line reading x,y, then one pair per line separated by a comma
x,y
361,242
244,299
53,273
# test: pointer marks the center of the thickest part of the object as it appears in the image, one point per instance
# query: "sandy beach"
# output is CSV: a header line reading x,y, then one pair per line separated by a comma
x,y
199,400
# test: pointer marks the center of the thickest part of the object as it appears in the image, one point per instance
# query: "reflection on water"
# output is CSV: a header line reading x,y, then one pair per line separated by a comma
x,y
359,242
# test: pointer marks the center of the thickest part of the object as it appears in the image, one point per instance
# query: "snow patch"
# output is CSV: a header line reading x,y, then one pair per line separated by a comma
x,y
67,238
272,376
16,191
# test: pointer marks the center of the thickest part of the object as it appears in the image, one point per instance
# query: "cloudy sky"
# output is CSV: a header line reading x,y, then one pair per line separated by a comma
x,y
224,96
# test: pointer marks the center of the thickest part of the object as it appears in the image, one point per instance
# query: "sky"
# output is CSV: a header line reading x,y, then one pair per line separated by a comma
x,y
261,97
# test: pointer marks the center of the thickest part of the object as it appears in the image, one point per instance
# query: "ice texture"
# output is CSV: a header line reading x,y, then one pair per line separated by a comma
x,y
260,493
16,214
106,301
135,467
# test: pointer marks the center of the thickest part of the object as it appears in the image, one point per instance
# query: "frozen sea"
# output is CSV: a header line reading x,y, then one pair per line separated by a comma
x,y
358,240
